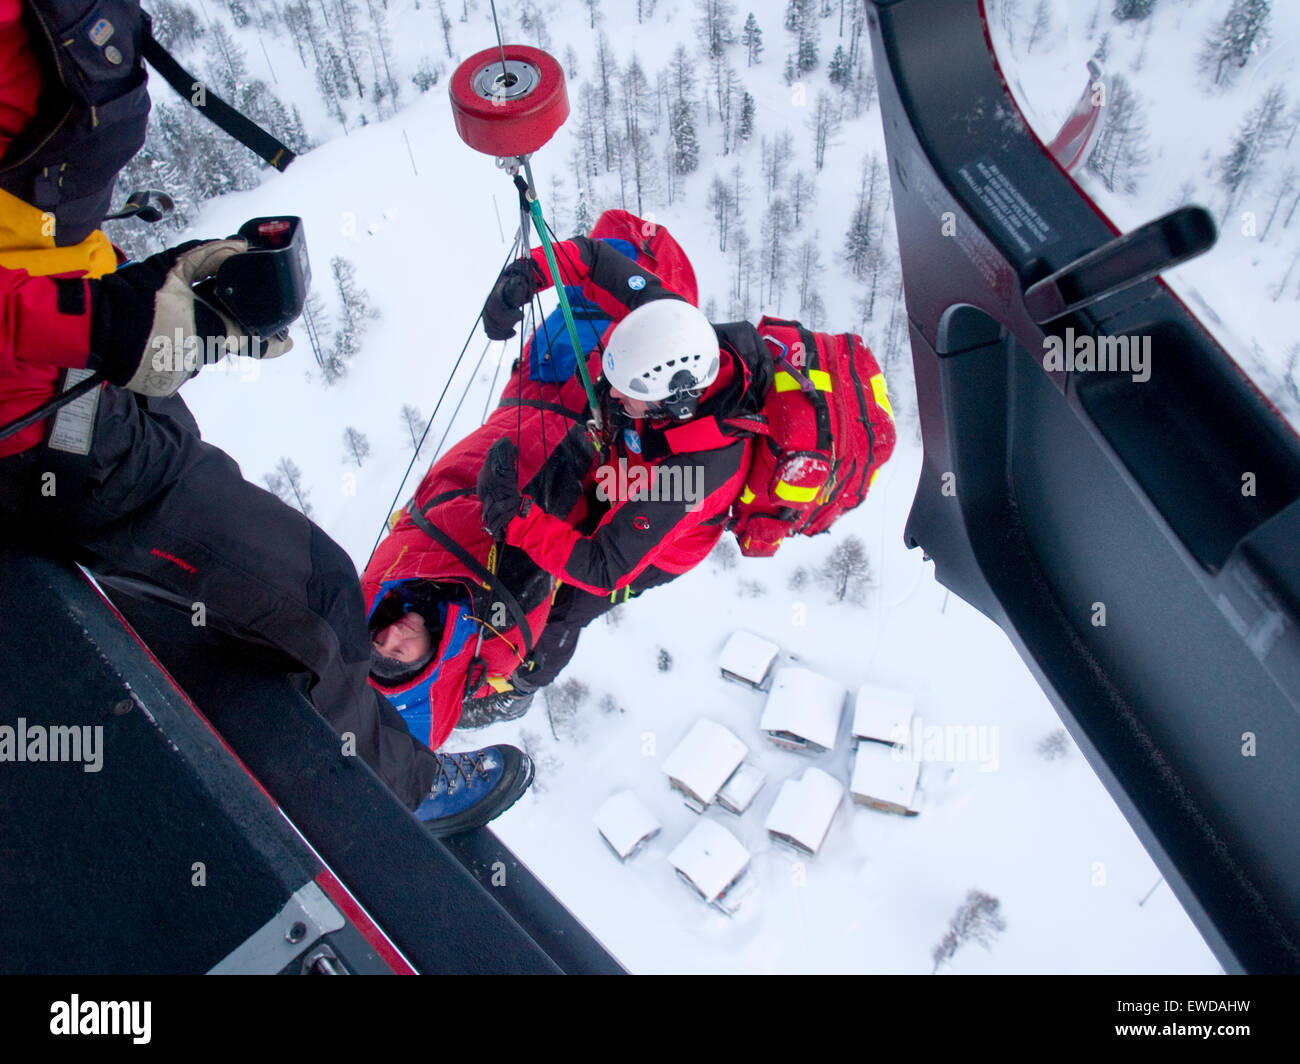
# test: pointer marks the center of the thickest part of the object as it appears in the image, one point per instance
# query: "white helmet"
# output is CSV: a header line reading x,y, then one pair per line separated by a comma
x,y
665,350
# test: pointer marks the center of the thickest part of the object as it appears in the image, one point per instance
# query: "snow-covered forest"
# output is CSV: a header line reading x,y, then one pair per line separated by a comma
x,y
752,131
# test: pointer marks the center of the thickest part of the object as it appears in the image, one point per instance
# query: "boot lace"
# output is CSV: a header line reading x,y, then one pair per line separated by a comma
x,y
454,769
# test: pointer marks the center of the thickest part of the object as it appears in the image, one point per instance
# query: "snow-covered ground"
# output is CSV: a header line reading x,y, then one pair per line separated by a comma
x,y
1039,834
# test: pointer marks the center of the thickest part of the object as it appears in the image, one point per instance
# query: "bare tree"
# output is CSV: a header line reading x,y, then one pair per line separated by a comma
x,y
776,224
1119,155
414,422
356,445
722,202
803,190
825,124
808,260
1042,25
776,156
977,919
285,482
847,570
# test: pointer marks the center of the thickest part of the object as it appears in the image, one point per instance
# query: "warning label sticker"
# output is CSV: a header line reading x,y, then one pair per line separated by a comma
x,y
75,423
1017,216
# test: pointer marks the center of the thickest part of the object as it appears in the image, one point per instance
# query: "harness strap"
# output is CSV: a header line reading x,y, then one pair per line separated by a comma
x,y
421,521
542,404
214,108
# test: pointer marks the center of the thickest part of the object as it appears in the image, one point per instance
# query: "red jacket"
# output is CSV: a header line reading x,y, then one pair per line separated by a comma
x,y
700,465
44,327
431,701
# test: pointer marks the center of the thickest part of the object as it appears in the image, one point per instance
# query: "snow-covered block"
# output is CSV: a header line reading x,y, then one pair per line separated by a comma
x,y
803,710
804,809
885,778
625,823
712,861
702,762
882,715
738,792
747,658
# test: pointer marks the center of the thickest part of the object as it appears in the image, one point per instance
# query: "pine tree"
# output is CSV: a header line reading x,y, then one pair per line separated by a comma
x,y
1229,47
356,446
1259,134
714,26
1133,9
838,73
862,241
752,38
686,146
176,25
355,311
745,128
801,20
425,76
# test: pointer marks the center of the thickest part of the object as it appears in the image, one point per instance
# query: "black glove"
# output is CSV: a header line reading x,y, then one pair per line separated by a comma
x,y
514,290
498,487
137,312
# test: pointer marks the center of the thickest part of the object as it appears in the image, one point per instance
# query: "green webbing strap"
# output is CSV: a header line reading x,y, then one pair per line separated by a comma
x,y
535,209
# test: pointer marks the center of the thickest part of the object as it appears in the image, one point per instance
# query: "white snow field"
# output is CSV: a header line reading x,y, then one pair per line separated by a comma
x,y
1037,832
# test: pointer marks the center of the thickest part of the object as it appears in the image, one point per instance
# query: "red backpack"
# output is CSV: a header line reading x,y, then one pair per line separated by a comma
x,y
829,430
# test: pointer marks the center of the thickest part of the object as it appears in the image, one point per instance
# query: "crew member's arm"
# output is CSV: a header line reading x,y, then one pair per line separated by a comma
x,y
635,532
611,280
43,319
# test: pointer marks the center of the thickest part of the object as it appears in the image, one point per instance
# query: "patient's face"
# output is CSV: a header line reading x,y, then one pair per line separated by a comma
x,y
407,639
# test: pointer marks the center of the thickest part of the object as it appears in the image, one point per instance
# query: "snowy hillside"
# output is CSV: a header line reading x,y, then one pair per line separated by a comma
x,y
426,222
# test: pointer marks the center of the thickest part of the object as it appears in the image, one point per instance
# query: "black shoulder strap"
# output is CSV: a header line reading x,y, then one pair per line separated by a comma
x,y
542,404
422,522
214,108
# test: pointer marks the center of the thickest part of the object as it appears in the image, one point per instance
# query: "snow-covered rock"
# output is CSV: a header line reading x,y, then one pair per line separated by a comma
x,y
747,658
703,761
885,778
882,714
711,860
738,792
803,710
804,810
626,823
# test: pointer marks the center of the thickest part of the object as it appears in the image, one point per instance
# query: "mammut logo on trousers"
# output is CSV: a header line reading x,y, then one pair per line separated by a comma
x,y
172,558
102,1017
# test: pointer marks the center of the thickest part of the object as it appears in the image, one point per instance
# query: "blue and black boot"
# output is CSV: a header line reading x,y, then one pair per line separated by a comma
x,y
474,787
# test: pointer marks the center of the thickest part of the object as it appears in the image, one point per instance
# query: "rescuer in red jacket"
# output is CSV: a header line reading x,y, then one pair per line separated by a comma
x,y
676,391
119,479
